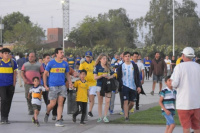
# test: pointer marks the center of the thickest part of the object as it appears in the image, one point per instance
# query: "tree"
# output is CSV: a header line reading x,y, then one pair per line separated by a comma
x,y
20,30
26,34
160,22
112,29
11,20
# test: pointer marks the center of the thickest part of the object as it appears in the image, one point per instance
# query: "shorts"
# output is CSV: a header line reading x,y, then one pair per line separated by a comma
x,y
36,107
169,119
56,91
189,118
93,90
129,94
98,88
157,78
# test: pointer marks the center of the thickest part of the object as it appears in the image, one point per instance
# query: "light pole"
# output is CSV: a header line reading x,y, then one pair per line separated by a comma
x,y
65,7
1,29
173,30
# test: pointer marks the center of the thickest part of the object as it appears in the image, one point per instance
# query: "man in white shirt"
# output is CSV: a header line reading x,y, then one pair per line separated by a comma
x,y
185,79
141,71
169,66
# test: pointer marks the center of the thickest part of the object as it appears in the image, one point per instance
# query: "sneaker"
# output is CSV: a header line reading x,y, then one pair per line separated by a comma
x,y
37,123
105,119
54,117
46,118
137,108
122,112
33,120
30,113
131,110
59,123
90,114
99,120
74,119
126,119
82,123
159,93
152,93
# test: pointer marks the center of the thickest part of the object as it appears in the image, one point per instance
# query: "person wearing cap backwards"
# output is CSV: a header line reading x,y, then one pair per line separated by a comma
x,y
185,79
71,61
88,65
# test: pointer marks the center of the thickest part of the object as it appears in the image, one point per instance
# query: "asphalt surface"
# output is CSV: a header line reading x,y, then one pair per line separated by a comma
x,y
21,121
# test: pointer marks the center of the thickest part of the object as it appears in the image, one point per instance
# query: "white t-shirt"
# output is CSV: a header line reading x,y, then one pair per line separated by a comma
x,y
140,66
36,94
168,62
186,78
128,76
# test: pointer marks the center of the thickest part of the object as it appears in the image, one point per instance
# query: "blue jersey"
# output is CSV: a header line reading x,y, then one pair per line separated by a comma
x,y
57,71
6,72
147,63
78,59
71,62
99,70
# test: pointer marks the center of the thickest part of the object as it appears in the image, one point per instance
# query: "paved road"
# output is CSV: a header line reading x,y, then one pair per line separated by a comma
x,y
21,121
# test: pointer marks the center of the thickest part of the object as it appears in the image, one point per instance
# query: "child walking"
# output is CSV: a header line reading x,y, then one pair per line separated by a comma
x,y
167,103
36,92
81,96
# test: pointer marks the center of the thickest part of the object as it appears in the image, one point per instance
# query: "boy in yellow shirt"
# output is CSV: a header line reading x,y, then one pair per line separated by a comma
x,y
81,96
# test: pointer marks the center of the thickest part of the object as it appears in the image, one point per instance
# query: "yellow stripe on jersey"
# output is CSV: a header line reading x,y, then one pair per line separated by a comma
x,y
57,70
37,95
6,70
70,62
101,73
147,63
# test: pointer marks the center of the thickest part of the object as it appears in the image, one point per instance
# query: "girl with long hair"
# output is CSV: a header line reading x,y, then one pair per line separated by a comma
x,y
102,70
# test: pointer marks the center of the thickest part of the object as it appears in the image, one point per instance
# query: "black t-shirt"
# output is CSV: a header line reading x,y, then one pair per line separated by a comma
x,y
173,65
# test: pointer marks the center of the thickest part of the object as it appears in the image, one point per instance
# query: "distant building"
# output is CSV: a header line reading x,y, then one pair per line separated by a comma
x,y
55,39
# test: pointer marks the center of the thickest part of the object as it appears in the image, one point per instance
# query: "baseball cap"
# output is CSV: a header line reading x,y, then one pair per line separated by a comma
x,y
88,53
188,51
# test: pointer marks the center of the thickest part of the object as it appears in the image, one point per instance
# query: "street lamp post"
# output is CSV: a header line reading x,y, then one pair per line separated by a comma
x,y
173,30
1,29
65,7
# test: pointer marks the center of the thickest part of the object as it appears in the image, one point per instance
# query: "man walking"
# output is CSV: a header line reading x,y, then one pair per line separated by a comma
x,y
29,70
129,83
159,69
185,79
8,73
56,69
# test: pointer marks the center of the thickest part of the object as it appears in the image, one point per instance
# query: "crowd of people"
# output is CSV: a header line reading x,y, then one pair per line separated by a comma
x,y
50,77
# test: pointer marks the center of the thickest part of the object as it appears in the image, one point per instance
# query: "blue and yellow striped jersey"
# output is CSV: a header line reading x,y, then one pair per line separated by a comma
x,y
99,70
57,71
6,72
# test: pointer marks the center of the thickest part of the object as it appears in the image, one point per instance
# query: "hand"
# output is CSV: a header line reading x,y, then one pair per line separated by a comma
x,y
70,85
25,81
46,87
138,90
105,75
167,112
142,82
28,97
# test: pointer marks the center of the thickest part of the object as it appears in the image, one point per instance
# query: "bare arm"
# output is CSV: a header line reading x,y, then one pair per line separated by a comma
x,y
69,80
96,77
23,76
142,82
14,78
163,107
46,73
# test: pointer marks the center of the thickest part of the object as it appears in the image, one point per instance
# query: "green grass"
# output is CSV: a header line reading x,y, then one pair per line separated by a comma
x,y
151,116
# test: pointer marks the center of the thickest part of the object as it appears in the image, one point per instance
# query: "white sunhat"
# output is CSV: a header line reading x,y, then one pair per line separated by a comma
x,y
188,51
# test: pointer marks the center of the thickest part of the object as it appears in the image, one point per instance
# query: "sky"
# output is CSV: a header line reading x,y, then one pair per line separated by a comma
x,y
48,13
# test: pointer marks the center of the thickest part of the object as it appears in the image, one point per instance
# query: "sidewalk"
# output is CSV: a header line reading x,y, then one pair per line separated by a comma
x,y
21,121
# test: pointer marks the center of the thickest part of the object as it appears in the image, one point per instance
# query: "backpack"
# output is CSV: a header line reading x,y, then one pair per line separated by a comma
x,y
12,63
